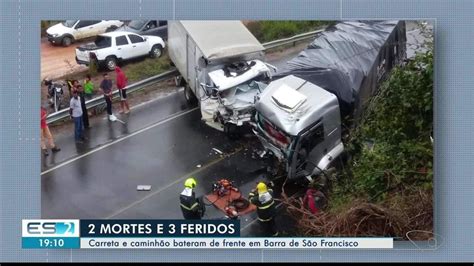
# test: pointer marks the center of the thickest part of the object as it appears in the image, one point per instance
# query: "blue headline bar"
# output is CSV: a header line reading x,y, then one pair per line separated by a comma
x,y
160,228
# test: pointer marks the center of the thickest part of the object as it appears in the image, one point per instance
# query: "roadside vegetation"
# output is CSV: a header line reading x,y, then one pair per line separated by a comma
x,y
386,186
147,68
270,30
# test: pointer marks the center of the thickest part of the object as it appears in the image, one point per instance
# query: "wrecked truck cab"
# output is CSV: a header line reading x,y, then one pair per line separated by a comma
x,y
300,124
231,93
218,61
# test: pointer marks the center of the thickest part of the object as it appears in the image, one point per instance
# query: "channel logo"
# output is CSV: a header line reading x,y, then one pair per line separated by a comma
x,y
50,228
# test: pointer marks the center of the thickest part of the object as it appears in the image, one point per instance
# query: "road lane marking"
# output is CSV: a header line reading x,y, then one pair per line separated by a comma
x,y
119,140
180,179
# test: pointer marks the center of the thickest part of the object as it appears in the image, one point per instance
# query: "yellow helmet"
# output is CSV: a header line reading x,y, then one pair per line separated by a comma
x,y
261,187
190,182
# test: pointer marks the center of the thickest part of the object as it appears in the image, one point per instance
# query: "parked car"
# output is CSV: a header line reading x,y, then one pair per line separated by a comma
x,y
69,31
147,27
110,48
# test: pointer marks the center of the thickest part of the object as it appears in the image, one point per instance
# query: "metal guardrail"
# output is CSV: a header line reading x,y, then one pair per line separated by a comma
x,y
296,38
53,117
57,116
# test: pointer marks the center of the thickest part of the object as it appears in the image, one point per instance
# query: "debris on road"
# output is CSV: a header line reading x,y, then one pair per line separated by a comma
x,y
198,166
218,151
143,187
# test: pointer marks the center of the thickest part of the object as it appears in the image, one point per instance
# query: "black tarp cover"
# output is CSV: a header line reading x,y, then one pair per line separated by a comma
x,y
341,57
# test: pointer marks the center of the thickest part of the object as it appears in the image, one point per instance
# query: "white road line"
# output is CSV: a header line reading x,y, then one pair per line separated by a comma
x,y
180,179
119,140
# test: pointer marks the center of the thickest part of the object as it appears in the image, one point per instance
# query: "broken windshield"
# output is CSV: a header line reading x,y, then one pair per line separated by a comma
x,y
137,24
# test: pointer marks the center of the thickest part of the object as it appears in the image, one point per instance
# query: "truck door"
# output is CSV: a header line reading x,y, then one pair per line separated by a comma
x,y
139,46
308,151
124,48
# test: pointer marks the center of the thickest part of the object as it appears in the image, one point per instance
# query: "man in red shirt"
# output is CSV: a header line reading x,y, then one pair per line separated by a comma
x,y
46,134
121,81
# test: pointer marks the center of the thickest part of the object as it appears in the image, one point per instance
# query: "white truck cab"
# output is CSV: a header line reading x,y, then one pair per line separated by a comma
x,y
300,124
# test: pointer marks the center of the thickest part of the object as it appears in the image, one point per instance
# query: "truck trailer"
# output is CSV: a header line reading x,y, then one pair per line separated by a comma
x,y
222,69
300,115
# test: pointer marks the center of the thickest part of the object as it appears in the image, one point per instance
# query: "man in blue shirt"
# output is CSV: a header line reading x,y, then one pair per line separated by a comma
x,y
106,87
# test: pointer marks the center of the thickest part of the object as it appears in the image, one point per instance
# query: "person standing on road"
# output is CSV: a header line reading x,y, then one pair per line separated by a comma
x,y
262,197
190,206
88,87
85,115
46,134
75,111
121,81
106,87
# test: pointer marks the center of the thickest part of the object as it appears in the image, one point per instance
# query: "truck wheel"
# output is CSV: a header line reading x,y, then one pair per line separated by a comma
x,y
111,63
156,51
189,96
179,81
67,41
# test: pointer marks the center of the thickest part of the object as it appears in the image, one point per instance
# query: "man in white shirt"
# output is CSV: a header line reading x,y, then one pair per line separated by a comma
x,y
75,111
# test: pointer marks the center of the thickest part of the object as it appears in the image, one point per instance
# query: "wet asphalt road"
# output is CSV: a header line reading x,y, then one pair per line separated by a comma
x,y
160,143
102,181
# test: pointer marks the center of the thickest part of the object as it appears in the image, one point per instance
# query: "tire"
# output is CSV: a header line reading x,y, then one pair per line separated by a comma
x,y
189,96
179,81
156,51
110,63
66,41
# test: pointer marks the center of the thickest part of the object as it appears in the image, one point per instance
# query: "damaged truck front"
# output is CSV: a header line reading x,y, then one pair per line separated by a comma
x,y
222,69
300,115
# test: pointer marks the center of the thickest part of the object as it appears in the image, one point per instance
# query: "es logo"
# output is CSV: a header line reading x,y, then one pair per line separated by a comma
x,y
50,228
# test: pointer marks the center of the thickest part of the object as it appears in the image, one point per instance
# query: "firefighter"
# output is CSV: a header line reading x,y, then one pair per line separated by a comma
x,y
190,205
262,197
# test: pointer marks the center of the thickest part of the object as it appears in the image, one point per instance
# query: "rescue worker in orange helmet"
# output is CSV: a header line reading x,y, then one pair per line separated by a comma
x,y
262,197
190,206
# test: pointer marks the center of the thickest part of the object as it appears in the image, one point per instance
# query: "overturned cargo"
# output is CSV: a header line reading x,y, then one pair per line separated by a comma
x,y
349,59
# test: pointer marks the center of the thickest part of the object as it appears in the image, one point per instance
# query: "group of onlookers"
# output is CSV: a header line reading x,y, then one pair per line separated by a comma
x,y
78,109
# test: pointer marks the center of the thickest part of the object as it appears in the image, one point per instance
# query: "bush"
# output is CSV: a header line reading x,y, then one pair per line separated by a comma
x,y
398,125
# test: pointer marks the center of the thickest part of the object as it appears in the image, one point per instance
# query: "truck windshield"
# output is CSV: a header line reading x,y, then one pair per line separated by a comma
x,y
102,41
137,24
274,134
69,23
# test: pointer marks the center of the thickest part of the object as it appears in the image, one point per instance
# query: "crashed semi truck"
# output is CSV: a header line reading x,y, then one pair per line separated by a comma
x,y
301,113
222,69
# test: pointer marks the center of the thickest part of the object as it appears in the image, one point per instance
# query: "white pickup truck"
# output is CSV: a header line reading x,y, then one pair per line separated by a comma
x,y
110,48
70,31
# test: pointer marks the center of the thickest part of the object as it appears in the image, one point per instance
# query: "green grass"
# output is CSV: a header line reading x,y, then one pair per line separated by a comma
x,y
269,30
147,68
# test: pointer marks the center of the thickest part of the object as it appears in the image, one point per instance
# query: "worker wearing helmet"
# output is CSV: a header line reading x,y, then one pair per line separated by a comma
x,y
262,197
190,206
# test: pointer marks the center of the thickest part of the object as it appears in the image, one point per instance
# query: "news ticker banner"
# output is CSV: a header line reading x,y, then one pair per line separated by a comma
x,y
170,234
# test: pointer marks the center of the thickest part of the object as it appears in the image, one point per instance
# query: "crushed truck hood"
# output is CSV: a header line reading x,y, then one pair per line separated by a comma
x,y
224,82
